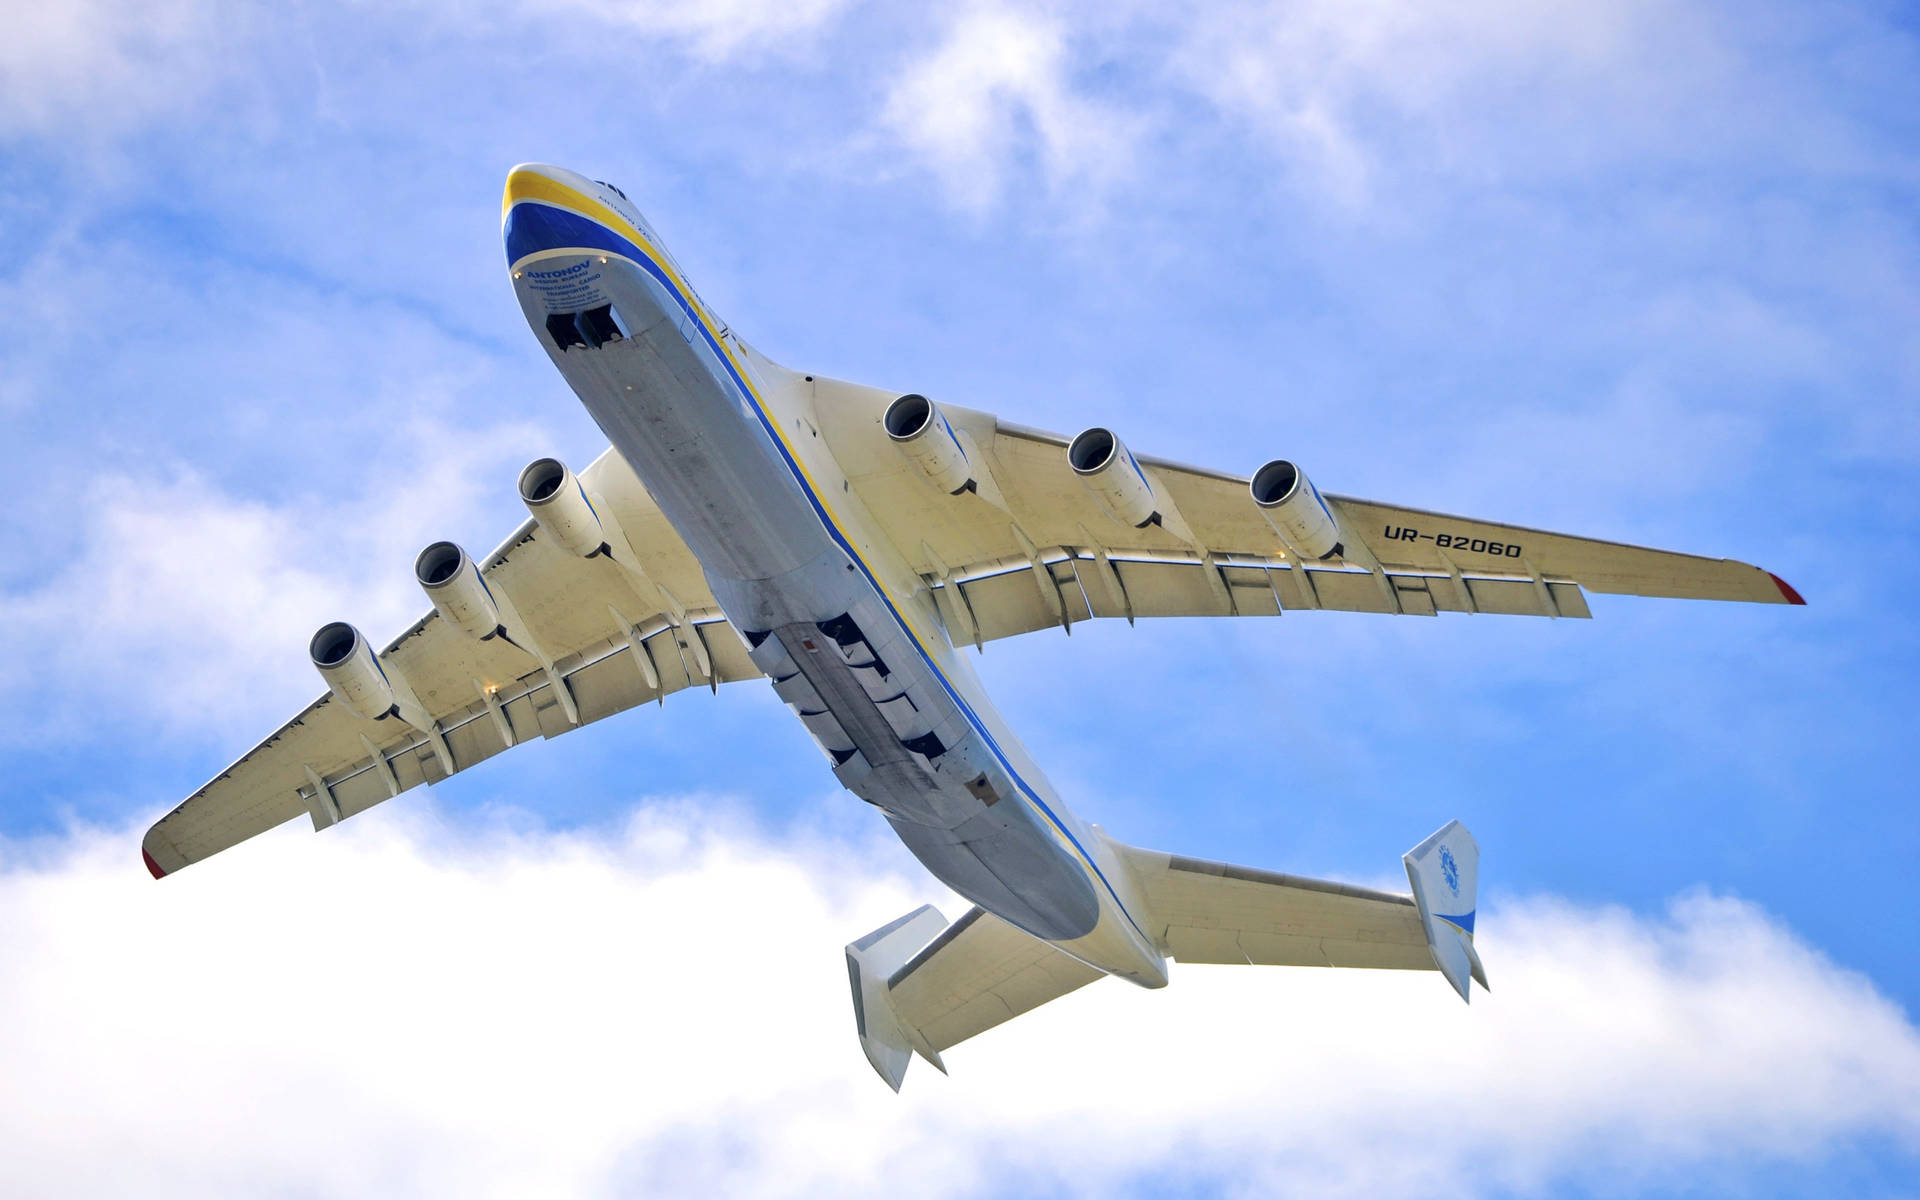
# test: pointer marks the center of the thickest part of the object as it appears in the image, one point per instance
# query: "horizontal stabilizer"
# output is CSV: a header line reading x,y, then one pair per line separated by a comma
x,y
1444,871
1210,912
921,985
1213,912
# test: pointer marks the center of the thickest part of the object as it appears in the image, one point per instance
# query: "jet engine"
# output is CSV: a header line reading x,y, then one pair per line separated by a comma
x,y
347,663
1292,505
924,435
557,501
1108,469
458,593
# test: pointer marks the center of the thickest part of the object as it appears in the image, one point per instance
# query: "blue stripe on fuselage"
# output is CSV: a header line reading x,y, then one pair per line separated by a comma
x,y
540,236
533,227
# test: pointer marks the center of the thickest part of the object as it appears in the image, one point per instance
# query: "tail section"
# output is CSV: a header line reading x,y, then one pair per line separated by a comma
x,y
871,961
1445,873
921,985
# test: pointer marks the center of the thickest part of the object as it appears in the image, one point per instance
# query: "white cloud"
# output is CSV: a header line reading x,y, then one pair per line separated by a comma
x,y
997,90
1368,104
78,64
78,68
712,30
1371,102
189,607
707,32
395,1006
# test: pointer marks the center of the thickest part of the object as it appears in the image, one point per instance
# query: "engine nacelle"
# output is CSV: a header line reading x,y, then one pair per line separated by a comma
x,y
925,436
1293,506
557,501
1108,469
352,673
458,593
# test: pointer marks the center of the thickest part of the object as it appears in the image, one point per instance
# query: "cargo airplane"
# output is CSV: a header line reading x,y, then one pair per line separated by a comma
x,y
847,543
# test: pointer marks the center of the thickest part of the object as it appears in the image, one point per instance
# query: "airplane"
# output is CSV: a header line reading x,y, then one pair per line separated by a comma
x,y
848,543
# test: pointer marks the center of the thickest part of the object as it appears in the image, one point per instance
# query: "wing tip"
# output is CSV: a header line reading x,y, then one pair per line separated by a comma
x,y
152,866
1786,589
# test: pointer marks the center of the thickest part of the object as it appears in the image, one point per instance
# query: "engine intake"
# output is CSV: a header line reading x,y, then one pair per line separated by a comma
x,y
1109,470
554,496
1294,508
926,437
351,672
458,593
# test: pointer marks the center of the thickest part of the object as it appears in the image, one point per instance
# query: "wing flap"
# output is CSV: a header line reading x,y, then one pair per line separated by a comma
x,y
1170,588
1003,599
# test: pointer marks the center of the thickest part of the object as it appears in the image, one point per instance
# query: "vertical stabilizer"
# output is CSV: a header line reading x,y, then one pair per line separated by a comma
x,y
1445,873
871,961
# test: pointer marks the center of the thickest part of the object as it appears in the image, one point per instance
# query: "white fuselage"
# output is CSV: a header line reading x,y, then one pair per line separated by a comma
x,y
727,444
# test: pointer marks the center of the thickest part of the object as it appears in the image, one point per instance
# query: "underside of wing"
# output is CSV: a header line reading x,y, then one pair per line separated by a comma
x,y
576,638
1436,544
1019,529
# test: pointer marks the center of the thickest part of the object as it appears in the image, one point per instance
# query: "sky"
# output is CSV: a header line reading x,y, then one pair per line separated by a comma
x,y
1646,270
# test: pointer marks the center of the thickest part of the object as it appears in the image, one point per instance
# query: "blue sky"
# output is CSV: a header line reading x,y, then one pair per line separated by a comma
x,y
1646,270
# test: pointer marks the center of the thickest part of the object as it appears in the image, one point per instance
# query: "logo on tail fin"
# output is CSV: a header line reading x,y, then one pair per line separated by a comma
x,y
1450,869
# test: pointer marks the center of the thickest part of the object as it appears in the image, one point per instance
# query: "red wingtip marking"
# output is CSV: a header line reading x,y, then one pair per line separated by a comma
x,y
152,865
1786,589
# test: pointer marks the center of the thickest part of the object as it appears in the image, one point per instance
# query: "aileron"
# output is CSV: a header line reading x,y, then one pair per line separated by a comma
x,y
1430,540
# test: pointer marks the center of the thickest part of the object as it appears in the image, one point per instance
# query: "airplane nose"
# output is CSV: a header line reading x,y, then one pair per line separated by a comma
x,y
547,208
532,181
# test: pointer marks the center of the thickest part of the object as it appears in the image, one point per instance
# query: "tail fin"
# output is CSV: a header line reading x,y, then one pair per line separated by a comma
x,y
1445,873
870,961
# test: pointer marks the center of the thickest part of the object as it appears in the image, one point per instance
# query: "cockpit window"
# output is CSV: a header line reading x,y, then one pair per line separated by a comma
x,y
616,191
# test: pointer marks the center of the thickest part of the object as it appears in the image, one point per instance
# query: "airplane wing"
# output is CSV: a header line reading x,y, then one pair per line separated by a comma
x,y
1024,541
580,638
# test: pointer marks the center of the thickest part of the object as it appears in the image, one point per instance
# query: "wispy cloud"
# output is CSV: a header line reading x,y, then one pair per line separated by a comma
x,y
260,452
1387,113
711,30
998,92
1365,99
77,69
186,606
501,1014
1335,88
